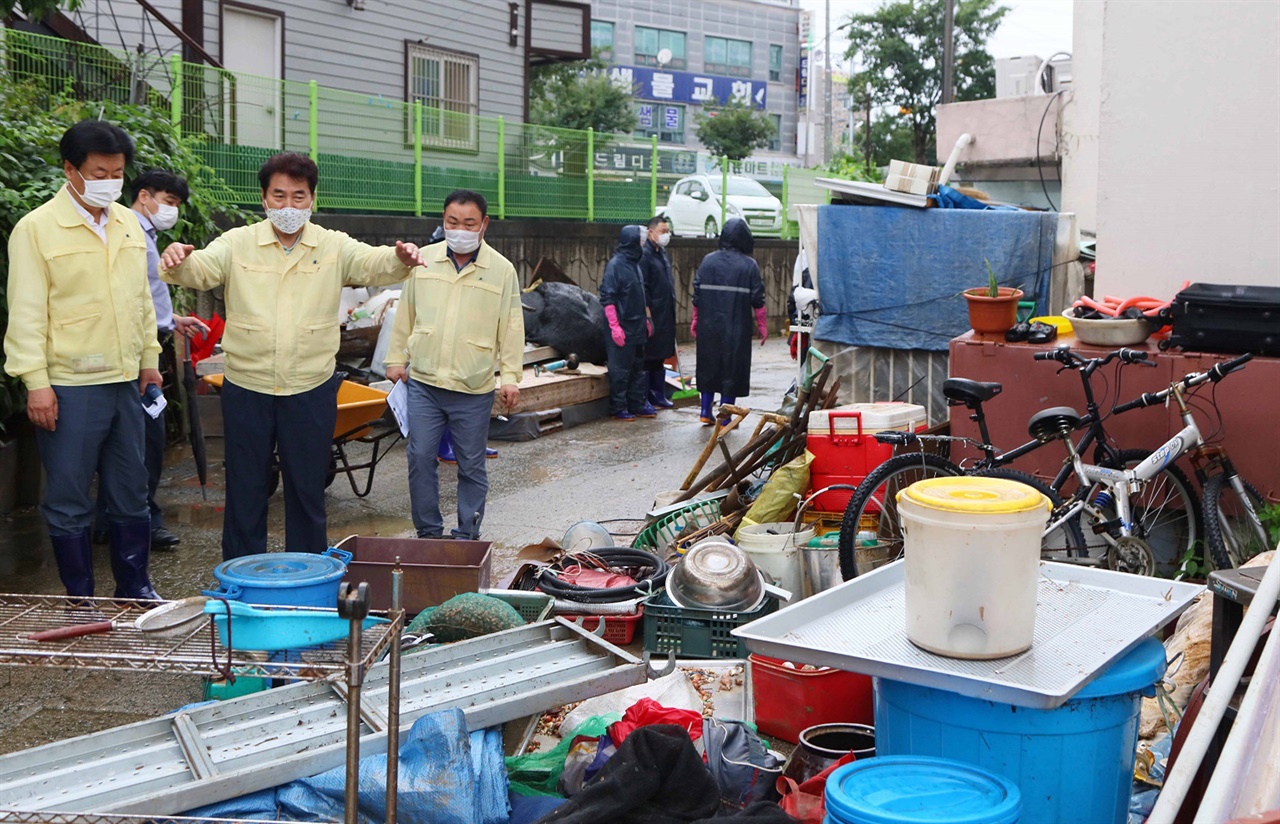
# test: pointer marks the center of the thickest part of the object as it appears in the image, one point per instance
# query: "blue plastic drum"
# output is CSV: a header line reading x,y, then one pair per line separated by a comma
x,y
282,579
907,789
1071,764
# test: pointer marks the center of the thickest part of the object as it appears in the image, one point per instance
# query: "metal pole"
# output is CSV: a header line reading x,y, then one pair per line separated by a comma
x,y
502,168
393,690
786,203
313,128
653,176
417,158
591,174
948,50
175,93
353,604
868,127
826,87
724,189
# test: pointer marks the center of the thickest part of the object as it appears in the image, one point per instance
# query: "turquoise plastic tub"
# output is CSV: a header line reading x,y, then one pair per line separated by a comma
x,y
278,630
908,789
1072,764
282,579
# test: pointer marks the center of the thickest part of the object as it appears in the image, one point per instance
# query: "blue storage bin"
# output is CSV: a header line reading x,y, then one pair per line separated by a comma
x,y
282,579
908,789
1071,764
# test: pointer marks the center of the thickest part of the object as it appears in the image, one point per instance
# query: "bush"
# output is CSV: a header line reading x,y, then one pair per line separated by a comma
x,y
32,123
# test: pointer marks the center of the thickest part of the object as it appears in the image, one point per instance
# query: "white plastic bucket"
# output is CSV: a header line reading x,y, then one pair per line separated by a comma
x,y
775,549
972,563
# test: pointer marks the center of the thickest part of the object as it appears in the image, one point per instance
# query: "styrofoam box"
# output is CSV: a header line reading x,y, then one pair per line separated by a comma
x,y
876,417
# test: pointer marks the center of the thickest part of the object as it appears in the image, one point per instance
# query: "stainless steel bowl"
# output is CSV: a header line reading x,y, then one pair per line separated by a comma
x,y
715,575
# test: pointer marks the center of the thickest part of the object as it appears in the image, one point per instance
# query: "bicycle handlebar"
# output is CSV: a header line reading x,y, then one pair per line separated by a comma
x,y
1214,374
1073,360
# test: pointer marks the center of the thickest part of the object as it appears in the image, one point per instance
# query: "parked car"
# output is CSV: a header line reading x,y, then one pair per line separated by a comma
x,y
693,207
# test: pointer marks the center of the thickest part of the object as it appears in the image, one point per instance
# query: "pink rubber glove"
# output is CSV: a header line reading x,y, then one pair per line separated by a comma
x,y
693,326
648,325
615,328
762,324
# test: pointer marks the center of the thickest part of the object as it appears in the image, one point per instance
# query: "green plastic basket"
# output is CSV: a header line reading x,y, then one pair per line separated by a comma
x,y
664,531
696,633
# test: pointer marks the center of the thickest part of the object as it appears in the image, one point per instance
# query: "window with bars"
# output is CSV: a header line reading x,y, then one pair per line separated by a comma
x,y
775,63
651,42
448,86
725,56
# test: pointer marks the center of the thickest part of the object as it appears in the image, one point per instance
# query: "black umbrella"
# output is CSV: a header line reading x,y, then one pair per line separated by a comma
x,y
194,428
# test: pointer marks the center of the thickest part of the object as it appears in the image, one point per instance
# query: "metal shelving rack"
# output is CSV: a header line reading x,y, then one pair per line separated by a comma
x,y
199,651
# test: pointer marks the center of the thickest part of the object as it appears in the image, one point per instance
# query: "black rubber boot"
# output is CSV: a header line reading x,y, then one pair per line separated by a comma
x,y
74,554
130,551
658,389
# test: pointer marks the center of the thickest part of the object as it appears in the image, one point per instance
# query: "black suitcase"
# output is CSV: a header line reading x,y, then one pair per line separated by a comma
x,y
1215,317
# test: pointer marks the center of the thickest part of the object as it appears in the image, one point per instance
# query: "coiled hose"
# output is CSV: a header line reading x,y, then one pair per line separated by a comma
x,y
616,556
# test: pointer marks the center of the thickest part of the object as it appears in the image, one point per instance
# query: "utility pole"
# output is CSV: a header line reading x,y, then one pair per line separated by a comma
x,y
826,77
948,50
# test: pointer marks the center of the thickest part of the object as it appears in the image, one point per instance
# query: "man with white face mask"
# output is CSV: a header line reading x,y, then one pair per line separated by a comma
x,y
82,337
282,280
660,294
458,317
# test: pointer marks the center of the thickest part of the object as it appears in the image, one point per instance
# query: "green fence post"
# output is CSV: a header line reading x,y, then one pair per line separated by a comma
x,y
786,204
314,120
653,177
175,93
724,189
417,158
591,174
502,169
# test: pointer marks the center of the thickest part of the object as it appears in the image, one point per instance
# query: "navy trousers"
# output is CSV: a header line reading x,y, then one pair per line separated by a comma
x,y
300,429
627,377
431,409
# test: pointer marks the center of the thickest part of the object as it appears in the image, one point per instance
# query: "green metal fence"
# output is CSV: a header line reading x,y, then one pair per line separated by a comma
x,y
375,154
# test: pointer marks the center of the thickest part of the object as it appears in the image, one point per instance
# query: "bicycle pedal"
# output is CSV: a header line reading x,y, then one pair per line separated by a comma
x,y
1106,526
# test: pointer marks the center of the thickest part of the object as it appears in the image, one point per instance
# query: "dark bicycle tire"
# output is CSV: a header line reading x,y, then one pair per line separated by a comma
x,y
1225,542
1176,536
1068,535
884,481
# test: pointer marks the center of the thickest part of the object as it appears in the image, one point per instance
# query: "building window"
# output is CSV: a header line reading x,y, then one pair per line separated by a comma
x,y
775,142
661,119
602,38
775,63
731,57
447,84
651,42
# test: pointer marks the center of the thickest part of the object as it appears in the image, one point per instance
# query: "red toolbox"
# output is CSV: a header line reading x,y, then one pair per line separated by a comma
x,y
790,699
844,447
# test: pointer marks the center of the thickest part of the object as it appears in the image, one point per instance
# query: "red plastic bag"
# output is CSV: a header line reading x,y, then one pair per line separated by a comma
x,y
646,711
805,801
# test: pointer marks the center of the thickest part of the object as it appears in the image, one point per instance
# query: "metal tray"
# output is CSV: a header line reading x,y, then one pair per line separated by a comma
x,y
1085,619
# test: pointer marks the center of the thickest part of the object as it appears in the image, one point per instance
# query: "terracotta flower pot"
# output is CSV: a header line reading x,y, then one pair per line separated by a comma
x,y
992,316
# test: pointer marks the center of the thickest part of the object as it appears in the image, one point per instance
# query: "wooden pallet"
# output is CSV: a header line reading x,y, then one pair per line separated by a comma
x,y
552,390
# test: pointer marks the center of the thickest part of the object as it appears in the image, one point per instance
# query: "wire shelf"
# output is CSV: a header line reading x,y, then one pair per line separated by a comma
x,y
50,817
196,651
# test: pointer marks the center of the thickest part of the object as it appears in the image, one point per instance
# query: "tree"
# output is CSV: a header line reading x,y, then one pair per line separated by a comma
x,y
733,130
37,9
900,49
580,95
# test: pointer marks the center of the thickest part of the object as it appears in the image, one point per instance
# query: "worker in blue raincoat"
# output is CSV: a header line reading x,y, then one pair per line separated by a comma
x,y
728,304
622,295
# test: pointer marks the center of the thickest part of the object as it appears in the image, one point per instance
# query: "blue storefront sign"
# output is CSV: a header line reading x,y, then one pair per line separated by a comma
x,y
688,87
646,116
802,91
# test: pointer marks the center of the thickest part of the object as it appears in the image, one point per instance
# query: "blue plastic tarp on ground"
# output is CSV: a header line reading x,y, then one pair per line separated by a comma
x,y
891,277
446,776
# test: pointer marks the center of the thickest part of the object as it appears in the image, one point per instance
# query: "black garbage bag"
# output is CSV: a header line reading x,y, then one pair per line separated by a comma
x,y
566,317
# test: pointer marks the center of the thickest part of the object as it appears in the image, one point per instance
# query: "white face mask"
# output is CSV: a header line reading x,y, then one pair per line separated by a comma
x,y
288,220
100,193
664,239
165,218
461,241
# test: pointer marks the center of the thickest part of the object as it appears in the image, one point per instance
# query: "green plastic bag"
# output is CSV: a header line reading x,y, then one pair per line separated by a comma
x,y
538,773
778,499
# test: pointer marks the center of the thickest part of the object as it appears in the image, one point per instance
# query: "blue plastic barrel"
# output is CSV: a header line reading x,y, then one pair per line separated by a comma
x,y
911,789
1072,764
283,579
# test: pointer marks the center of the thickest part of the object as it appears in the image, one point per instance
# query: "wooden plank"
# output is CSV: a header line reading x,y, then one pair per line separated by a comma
x,y
551,390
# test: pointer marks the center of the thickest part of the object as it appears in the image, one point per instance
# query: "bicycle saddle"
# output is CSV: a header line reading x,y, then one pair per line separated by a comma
x,y
1048,424
970,393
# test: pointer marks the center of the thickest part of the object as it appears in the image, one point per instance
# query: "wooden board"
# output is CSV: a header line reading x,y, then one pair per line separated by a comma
x,y
555,389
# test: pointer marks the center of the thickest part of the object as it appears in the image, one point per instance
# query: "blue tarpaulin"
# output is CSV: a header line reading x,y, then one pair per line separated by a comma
x,y
891,277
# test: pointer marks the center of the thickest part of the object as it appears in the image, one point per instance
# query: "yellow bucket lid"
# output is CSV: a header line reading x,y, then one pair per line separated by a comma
x,y
984,496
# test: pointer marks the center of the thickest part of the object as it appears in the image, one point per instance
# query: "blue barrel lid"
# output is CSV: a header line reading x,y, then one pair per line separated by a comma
x,y
1135,671
915,789
280,569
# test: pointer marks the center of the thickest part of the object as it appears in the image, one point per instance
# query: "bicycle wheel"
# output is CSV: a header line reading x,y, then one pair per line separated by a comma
x,y
1232,527
1066,540
1165,514
874,509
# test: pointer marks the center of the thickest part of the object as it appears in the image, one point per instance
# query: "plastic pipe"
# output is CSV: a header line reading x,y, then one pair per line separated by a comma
x,y
961,144
1043,66
1219,696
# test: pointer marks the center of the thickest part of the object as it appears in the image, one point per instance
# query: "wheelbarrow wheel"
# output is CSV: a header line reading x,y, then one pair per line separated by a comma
x,y
332,473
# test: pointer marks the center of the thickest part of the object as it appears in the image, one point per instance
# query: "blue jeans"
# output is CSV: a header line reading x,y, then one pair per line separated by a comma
x,y
467,416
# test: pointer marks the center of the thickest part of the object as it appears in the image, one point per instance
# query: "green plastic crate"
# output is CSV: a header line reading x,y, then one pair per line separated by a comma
x,y
696,633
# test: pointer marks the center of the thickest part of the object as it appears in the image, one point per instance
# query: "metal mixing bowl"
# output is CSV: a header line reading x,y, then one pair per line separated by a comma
x,y
715,575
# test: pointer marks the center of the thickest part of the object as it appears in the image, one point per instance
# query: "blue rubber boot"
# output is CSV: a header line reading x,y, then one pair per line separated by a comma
x,y
445,454
130,551
74,554
708,400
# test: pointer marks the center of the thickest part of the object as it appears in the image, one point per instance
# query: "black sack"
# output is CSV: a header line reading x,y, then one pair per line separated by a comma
x,y
1215,317
567,318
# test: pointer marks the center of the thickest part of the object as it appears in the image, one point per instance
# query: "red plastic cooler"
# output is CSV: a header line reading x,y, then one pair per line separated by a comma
x,y
844,447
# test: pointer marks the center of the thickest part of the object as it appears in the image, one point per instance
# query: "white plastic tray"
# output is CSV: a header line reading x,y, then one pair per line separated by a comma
x,y
1085,619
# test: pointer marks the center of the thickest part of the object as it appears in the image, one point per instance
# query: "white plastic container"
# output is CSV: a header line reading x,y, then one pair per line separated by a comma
x,y
775,549
972,563
878,416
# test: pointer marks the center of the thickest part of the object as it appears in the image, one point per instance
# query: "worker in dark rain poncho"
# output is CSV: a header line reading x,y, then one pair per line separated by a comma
x,y
728,302
622,295
660,292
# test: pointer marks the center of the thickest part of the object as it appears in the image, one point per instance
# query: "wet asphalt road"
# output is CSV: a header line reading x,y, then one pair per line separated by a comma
x,y
602,471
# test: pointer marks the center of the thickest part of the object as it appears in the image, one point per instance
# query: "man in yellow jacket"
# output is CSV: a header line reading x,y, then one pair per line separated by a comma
x,y
82,338
282,280
458,317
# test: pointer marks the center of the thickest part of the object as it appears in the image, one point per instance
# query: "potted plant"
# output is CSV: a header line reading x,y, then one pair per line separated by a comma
x,y
992,308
